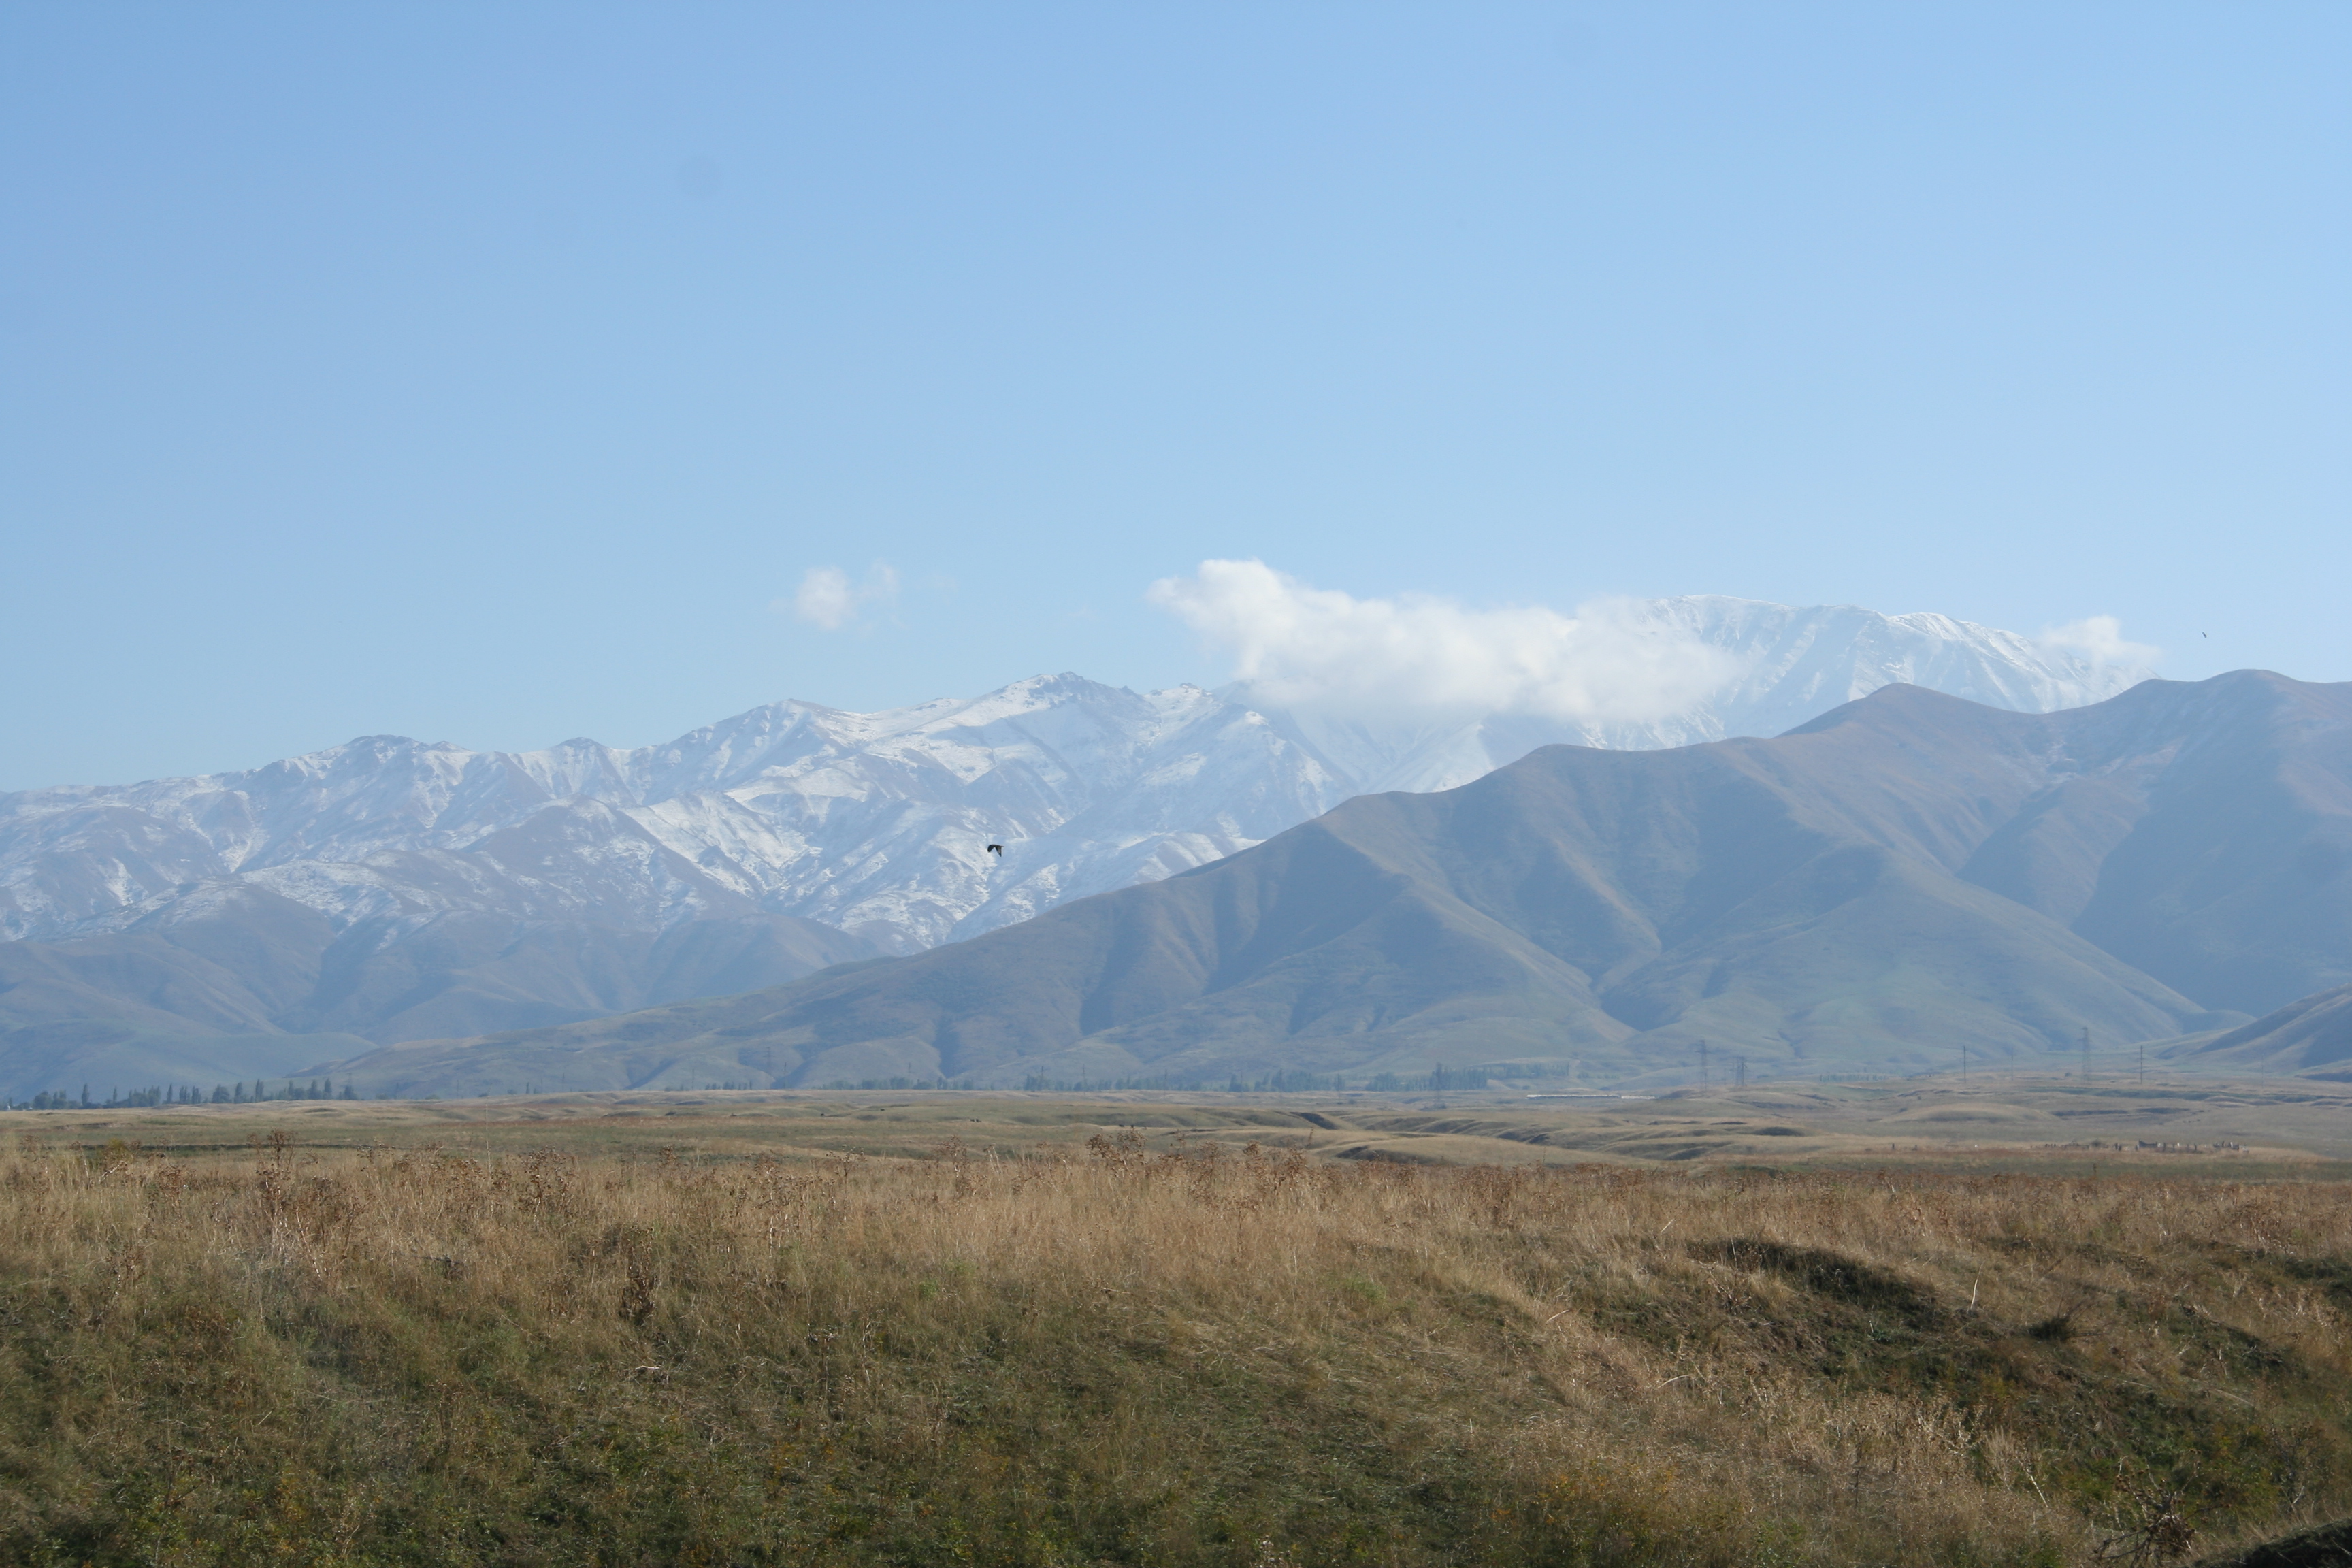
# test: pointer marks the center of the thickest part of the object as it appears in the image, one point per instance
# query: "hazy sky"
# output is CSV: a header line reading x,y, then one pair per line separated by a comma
x,y
501,373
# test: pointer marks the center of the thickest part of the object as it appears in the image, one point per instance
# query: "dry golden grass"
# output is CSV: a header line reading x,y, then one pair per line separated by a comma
x,y
1151,1354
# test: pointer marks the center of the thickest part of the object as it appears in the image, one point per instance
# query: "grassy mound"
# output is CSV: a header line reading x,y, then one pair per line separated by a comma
x,y
1180,1354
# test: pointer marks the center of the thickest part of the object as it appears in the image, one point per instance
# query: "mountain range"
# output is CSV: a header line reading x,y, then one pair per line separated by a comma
x,y
2309,1037
389,889
1906,881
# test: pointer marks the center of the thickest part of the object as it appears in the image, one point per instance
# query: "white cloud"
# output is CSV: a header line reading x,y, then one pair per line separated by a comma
x,y
1314,647
828,599
2100,639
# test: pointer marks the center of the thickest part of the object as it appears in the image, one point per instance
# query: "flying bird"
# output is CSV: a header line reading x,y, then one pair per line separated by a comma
x,y
997,850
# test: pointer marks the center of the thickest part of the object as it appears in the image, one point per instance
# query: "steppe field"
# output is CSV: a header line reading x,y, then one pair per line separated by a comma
x,y
2055,1320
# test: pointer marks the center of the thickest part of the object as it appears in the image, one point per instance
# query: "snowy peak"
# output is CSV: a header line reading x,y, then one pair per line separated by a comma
x,y
1793,665
878,824
1800,663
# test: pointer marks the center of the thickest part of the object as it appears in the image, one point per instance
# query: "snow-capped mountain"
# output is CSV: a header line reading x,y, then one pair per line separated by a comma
x,y
874,823
1795,665
879,823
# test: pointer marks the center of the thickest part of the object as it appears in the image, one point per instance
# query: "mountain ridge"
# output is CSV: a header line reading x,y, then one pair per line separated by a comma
x,y
453,882
1819,899
742,808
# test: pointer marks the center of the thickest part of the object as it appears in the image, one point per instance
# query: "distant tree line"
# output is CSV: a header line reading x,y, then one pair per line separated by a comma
x,y
1285,1081
184,1094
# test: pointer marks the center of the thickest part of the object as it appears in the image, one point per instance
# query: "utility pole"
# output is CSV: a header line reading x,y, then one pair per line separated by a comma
x,y
1702,1061
2086,1051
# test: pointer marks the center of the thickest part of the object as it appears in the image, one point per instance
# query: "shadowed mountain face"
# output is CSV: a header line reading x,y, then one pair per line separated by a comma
x,y
1904,878
246,981
2311,1037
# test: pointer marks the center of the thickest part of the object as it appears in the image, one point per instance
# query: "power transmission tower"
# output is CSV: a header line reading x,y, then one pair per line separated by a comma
x,y
1702,1061
2086,1051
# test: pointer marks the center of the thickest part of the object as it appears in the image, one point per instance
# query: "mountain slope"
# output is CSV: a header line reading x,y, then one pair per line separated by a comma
x,y
877,822
1886,886
450,891
2310,1036
160,1002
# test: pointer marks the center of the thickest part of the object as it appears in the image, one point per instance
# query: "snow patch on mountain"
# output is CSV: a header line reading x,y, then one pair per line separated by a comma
x,y
879,823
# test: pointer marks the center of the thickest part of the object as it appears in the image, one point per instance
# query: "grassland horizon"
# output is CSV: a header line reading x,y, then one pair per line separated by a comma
x,y
1020,1329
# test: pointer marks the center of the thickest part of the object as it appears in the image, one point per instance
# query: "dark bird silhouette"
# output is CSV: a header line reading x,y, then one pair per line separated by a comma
x,y
997,850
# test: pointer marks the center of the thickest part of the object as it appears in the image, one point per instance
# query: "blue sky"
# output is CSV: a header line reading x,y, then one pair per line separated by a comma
x,y
499,374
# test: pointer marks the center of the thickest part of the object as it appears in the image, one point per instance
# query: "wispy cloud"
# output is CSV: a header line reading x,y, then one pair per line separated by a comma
x,y
1304,645
2100,639
828,599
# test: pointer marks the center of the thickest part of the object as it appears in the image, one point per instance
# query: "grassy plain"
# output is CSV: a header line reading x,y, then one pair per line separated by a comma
x,y
1890,1324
